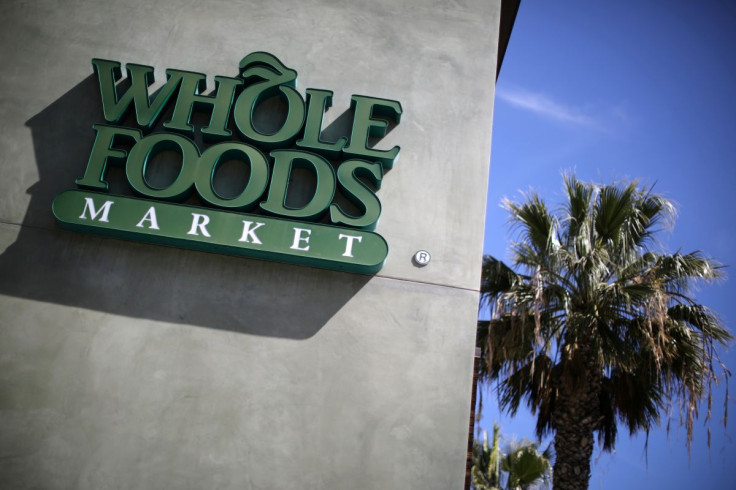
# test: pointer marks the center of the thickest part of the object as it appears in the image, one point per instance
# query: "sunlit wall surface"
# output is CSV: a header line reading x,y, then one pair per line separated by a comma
x,y
133,365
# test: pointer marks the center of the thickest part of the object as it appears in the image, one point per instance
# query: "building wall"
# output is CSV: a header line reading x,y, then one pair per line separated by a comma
x,y
126,365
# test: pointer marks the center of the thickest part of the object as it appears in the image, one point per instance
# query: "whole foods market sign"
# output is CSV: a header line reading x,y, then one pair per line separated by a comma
x,y
258,222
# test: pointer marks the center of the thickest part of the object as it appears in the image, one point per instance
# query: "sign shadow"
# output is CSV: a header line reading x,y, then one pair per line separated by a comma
x,y
48,264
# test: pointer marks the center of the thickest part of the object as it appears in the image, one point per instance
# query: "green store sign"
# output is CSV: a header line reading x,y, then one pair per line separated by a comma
x,y
258,222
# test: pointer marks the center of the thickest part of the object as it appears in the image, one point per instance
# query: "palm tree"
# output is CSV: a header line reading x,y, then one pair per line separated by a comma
x,y
486,470
526,467
520,467
593,325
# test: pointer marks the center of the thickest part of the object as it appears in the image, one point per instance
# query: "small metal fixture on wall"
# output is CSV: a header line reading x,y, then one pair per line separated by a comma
x,y
421,258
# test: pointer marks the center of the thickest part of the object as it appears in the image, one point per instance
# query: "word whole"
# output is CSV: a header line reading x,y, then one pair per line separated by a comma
x,y
259,221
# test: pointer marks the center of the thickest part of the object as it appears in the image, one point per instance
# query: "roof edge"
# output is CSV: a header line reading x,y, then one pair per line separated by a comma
x,y
509,9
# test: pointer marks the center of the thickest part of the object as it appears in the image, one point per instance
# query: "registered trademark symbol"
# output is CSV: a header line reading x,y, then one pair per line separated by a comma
x,y
421,258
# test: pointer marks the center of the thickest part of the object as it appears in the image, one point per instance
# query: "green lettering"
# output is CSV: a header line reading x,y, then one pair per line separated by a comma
x,y
140,77
276,79
257,182
318,101
358,193
284,160
365,125
146,149
104,153
190,100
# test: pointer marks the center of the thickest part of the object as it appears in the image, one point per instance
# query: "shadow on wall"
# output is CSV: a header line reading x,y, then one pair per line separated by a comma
x,y
46,263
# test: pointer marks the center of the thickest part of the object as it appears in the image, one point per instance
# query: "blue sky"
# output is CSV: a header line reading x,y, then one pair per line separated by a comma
x,y
629,90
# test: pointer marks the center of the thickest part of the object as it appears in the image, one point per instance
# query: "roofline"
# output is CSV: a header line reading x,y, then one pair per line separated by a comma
x,y
509,9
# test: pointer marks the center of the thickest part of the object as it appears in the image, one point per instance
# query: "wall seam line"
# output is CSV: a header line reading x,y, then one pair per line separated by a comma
x,y
393,278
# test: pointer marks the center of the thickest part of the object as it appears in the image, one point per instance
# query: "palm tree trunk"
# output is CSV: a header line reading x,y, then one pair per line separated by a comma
x,y
573,449
576,417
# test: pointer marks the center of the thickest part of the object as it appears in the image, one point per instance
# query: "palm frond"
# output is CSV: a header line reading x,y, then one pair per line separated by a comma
x,y
589,304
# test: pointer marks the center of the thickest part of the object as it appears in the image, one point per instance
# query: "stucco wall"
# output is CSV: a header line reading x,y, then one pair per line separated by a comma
x,y
125,365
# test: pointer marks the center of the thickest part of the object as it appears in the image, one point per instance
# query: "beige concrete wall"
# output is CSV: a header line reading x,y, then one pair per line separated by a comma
x,y
125,365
